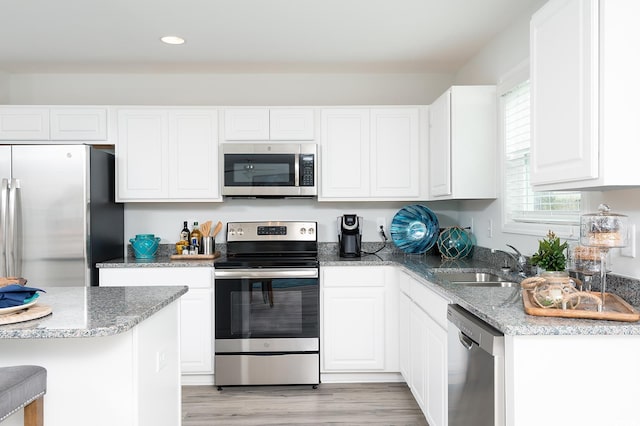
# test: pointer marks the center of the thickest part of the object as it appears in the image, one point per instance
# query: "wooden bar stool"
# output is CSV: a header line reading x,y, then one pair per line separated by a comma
x,y
23,386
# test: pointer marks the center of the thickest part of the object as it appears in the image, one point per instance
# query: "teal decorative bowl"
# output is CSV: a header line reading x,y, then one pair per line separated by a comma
x,y
145,246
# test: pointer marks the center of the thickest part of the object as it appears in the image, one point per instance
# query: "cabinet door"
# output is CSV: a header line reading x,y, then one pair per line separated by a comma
x,y
437,381
196,312
142,155
246,124
404,306
418,355
78,124
345,154
291,124
193,153
353,329
24,124
440,146
395,153
564,92
196,319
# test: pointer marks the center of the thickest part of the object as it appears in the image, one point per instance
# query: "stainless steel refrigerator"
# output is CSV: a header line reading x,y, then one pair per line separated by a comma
x,y
58,215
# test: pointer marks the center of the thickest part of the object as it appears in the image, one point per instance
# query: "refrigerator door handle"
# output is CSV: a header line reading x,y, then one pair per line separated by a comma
x,y
14,242
4,240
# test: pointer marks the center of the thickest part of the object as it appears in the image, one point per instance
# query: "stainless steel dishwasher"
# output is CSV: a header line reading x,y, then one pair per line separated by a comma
x,y
475,371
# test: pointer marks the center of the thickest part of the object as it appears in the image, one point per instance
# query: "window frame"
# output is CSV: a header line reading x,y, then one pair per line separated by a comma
x,y
508,82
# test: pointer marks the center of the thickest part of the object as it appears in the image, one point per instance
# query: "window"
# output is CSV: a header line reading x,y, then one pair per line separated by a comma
x,y
524,210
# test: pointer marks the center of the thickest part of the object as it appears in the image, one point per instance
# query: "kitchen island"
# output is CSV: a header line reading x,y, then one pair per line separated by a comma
x,y
112,355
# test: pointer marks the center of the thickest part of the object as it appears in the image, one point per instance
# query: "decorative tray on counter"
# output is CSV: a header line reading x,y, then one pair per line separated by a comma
x,y
27,313
215,255
615,308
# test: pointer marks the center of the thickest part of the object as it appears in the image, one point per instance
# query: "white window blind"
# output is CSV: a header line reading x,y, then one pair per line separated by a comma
x,y
522,204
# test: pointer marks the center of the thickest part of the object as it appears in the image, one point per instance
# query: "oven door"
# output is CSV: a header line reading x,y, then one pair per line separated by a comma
x,y
267,310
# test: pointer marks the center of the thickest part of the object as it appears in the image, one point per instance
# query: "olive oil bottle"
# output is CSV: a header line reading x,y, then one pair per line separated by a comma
x,y
195,238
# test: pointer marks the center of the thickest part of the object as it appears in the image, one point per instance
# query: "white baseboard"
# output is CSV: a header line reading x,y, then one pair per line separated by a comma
x,y
197,380
361,377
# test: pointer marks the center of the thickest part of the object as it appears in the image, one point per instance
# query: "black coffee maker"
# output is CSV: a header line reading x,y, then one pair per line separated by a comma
x,y
350,235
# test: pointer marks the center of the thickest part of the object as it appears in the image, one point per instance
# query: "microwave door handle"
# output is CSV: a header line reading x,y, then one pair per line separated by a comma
x,y
296,166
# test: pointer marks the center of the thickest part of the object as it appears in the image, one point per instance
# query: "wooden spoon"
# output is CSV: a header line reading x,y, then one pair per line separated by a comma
x,y
217,229
206,228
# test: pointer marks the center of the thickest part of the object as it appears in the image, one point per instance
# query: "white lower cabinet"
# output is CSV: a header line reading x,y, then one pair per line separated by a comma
x,y
359,320
196,310
423,347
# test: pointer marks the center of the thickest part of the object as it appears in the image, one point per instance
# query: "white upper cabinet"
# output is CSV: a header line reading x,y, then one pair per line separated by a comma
x,y
26,123
78,124
372,154
584,94
395,152
167,155
263,124
291,124
21,124
344,153
246,124
463,144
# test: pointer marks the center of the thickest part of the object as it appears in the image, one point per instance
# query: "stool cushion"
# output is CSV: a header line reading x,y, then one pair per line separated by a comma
x,y
20,385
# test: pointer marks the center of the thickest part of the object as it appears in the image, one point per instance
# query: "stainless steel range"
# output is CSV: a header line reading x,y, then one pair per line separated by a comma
x,y
267,322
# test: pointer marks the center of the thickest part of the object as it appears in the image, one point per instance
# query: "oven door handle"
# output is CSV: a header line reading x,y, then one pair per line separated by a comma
x,y
267,273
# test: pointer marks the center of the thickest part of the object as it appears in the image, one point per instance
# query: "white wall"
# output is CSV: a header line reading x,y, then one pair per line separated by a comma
x,y
4,88
503,54
165,219
226,89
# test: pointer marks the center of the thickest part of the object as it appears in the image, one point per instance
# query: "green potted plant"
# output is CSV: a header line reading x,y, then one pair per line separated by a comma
x,y
551,254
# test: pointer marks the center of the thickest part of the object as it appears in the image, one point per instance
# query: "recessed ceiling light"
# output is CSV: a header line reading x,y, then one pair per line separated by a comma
x,y
172,40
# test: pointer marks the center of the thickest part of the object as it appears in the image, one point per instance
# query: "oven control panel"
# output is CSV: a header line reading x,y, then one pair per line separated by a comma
x,y
269,231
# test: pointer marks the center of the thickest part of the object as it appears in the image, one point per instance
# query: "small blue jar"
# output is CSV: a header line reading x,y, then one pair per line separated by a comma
x,y
145,246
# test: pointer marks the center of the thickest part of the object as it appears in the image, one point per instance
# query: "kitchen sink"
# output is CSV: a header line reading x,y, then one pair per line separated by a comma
x,y
478,279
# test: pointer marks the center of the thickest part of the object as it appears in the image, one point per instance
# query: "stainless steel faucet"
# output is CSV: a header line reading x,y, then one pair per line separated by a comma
x,y
519,261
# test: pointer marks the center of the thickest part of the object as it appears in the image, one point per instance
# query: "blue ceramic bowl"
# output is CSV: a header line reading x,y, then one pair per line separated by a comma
x,y
145,246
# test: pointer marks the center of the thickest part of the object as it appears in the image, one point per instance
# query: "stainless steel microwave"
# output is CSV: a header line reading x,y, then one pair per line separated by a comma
x,y
269,170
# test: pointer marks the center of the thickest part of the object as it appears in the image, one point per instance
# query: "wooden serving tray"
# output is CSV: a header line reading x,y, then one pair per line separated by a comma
x,y
215,255
616,309
33,312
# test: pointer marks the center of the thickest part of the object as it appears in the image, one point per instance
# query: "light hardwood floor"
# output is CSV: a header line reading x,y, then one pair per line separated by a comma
x,y
335,404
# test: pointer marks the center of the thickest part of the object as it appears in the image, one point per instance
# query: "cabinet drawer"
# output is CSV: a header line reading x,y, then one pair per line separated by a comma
x,y
191,277
349,276
434,305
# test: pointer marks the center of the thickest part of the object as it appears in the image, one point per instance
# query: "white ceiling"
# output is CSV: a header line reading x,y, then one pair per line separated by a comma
x,y
249,35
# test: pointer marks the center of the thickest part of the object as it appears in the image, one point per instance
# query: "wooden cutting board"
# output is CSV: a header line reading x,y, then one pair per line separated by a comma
x,y
33,312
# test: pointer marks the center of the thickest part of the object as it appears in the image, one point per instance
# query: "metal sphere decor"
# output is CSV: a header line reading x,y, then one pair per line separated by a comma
x,y
455,243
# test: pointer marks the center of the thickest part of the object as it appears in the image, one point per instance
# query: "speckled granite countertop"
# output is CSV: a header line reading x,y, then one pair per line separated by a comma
x,y
500,307
158,262
93,311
